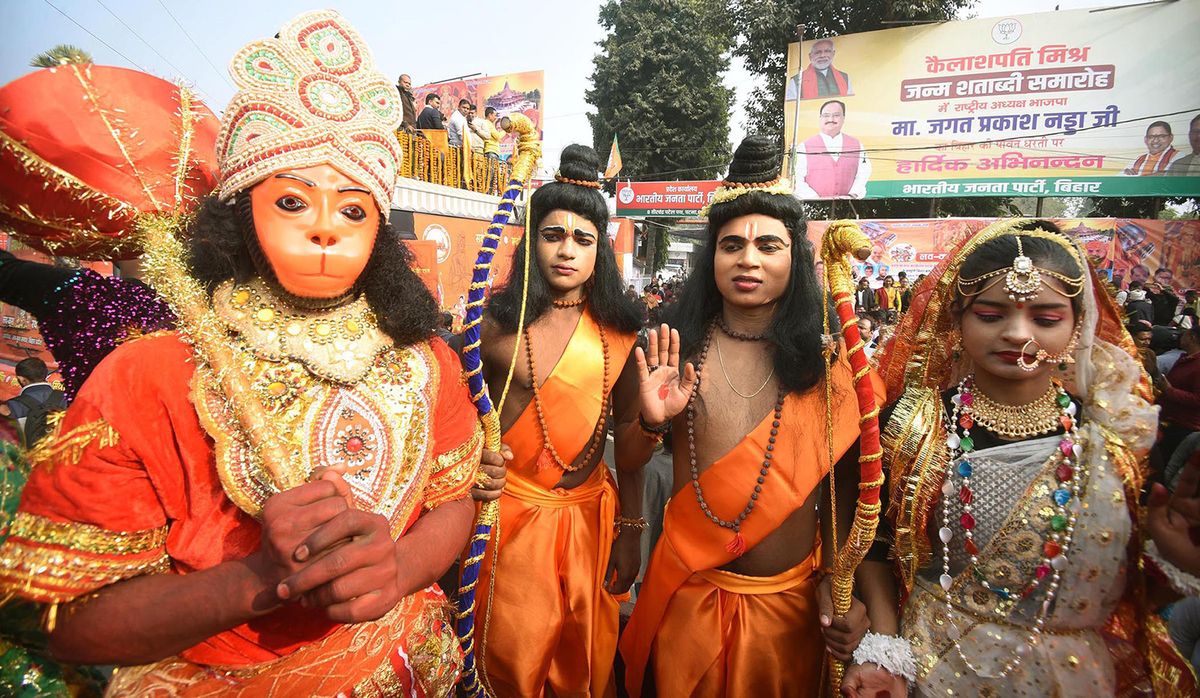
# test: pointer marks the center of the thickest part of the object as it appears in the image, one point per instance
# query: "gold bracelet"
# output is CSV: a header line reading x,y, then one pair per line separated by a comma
x,y
639,523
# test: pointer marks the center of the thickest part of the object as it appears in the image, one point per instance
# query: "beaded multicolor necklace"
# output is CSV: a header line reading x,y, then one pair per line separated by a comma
x,y
597,435
737,546
1065,497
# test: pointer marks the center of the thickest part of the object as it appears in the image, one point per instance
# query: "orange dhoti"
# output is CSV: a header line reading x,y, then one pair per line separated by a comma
x,y
726,634
551,625
548,624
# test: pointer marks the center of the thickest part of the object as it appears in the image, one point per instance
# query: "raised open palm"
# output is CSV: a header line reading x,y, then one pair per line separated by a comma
x,y
663,390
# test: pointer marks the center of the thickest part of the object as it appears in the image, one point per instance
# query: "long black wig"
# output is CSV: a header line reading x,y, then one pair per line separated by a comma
x,y
796,329
223,245
605,290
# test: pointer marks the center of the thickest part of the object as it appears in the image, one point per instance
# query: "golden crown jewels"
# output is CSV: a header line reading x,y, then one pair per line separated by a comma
x,y
312,96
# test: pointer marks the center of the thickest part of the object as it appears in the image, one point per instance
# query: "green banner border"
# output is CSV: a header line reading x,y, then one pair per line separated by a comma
x,y
1027,187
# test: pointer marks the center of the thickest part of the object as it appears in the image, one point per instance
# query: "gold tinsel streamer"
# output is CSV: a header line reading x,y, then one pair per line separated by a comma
x,y
167,271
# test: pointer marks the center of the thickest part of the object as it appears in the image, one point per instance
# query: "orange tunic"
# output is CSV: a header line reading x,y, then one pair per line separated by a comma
x,y
549,626
134,485
704,631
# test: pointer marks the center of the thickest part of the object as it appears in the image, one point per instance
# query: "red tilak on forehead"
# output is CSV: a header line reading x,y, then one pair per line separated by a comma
x,y
750,230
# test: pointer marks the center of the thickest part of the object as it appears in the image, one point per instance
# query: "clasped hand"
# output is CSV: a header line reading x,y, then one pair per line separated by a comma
x,y
316,547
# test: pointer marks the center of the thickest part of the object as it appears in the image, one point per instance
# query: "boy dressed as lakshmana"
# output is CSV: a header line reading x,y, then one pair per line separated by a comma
x,y
155,523
730,605
548,612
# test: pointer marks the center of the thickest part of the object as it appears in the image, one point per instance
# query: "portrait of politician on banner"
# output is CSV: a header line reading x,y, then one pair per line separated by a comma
x,y
831,164
819,78
1189,165
1038,105
1160,152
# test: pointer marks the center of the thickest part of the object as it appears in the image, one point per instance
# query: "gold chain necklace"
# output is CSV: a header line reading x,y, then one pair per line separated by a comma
x,y
721,361
1041,416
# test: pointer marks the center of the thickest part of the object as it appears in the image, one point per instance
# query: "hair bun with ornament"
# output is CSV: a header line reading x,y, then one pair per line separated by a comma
x,y
579,165
756,162
755,168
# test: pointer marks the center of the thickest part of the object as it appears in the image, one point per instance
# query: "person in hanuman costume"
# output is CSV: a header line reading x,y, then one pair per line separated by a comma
x,y
729,606
293,553
1015,451
568,541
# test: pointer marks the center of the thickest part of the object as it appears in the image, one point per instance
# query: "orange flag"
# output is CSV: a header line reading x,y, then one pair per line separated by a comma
x,y
614,160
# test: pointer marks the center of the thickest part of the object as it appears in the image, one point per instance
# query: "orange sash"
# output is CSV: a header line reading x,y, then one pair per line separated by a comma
x,y
691,543
571,398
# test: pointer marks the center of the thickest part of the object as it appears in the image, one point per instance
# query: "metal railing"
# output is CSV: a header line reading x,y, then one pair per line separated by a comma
x,y
429,159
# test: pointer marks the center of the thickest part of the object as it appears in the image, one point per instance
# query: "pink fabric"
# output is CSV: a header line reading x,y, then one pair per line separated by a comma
x,y
829,177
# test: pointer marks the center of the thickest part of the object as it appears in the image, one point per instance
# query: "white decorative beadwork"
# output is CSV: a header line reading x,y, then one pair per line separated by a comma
x,y
888,651
310,97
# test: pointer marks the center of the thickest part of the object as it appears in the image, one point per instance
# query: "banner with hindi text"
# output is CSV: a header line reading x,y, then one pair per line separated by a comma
x,y
664,199
1122,249
1071,103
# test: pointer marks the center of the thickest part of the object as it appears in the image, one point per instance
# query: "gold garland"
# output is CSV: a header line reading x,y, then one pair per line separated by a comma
x,y
167,273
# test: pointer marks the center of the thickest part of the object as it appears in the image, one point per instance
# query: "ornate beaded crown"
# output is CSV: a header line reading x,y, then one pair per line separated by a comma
x,y
310,97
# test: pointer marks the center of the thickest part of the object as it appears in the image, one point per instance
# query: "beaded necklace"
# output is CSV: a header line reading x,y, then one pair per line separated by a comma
x,y
569,304
737,546
734,334
597,435
1064,498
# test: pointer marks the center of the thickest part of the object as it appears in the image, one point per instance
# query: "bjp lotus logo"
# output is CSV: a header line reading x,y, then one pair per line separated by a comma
x,y
1006,31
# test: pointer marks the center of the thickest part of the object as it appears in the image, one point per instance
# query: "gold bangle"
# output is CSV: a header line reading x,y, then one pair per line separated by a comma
x,y
639,523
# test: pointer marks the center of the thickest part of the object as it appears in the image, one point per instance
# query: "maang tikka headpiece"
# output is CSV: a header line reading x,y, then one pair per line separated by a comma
x,y
1022,280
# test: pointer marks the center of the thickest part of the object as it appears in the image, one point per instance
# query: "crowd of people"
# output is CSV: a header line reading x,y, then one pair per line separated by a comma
x,y
275,491
481,132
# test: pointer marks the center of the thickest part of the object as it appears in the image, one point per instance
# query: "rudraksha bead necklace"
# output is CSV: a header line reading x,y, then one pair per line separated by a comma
x,y
597,435
737,546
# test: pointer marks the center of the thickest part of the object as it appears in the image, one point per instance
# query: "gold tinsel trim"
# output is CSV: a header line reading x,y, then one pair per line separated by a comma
x,y
454,469
915,458
49,575
56,176
112,123
86,537
68,448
